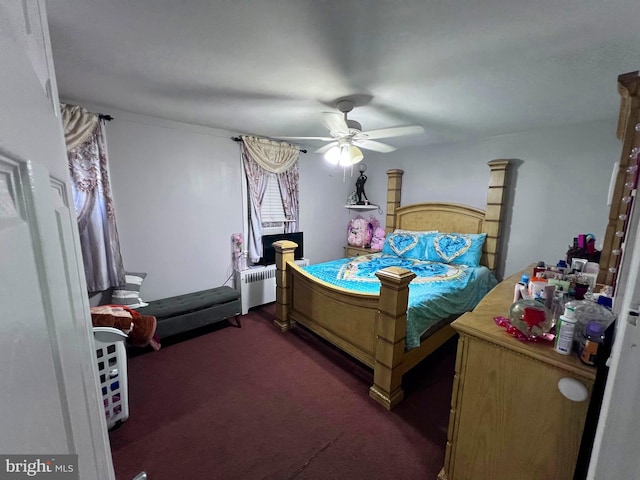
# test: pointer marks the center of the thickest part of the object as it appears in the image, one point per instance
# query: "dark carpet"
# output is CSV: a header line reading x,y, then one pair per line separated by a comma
x,y
254,403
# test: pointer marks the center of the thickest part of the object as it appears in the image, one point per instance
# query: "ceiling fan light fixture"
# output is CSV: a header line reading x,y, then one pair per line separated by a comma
x,y
354,155
344,155
333,155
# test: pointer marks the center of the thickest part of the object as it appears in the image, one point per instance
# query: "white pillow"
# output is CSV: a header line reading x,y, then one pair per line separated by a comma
x,y
129,294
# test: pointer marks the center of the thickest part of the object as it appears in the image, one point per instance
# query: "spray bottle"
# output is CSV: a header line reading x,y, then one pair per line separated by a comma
x,y
564,331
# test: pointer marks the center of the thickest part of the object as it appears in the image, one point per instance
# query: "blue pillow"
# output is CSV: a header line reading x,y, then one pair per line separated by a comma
x,y
405,245
455,248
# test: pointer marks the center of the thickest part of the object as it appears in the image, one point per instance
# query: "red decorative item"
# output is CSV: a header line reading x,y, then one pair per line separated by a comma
x,y
534,317
511,330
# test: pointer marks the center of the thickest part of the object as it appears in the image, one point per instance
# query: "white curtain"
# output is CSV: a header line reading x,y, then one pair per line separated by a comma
x,y
261,157
78,125
87,156
274,157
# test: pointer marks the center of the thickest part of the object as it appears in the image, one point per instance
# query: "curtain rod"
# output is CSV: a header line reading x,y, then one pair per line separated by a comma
x,y
106,118
238,139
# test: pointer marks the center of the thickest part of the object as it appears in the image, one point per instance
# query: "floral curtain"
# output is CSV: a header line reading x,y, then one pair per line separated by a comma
x,y
87,156
288,182
262,157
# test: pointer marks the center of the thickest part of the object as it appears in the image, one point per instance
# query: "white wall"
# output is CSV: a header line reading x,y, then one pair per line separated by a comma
x,y
559,188
323,193
177,192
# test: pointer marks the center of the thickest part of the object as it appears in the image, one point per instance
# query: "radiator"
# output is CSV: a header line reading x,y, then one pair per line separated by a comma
x,y
257,285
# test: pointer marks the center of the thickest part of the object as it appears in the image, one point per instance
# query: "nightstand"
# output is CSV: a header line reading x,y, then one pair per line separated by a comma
x,y
350,251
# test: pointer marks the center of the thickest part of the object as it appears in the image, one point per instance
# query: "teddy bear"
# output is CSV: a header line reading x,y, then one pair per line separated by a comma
x,y
377,241
359,232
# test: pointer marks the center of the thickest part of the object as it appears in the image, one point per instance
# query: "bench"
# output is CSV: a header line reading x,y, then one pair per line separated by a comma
x,y
182,313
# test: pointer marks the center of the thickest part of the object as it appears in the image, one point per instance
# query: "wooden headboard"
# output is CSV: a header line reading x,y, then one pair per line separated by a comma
x,y
453,217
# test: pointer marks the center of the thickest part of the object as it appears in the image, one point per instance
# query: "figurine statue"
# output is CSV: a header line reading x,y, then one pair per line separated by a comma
x,y
360,189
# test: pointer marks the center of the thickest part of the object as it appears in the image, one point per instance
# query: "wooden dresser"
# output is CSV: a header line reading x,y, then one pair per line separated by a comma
x,y
508,419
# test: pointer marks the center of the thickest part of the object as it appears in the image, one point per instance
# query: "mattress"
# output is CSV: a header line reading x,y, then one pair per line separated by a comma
x,y
439,291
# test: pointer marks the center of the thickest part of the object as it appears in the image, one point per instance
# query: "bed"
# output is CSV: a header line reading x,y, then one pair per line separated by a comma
x,y
372,327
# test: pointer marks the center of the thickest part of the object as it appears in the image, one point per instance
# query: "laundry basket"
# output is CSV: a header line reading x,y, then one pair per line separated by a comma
x,y
111,356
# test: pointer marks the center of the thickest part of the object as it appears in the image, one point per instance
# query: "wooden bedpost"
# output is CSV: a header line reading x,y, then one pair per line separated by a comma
x,y
394,189
391,330
284,253
493,212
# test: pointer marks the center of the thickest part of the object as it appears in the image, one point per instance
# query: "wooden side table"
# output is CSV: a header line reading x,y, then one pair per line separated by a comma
x,y
350,251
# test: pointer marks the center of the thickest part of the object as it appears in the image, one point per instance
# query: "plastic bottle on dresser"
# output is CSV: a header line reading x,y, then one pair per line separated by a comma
x,y
521,288
540,268
562,266
594,337
564,331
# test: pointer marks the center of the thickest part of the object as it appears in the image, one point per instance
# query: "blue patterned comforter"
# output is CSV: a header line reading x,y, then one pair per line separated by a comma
x,y
438,291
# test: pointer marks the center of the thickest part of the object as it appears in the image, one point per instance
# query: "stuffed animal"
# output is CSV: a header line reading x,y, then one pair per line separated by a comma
x,y
377,241
360,232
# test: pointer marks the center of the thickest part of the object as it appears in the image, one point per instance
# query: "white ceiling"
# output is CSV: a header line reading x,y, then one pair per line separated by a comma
x,y
462,69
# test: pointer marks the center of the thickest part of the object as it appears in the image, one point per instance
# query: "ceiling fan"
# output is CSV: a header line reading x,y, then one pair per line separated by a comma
x,y
346,134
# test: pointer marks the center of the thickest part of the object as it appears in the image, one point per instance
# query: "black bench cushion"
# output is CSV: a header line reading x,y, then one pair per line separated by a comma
x,y
190,302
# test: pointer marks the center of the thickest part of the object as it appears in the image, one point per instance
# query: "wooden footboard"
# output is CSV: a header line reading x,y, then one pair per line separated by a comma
x,y
371,328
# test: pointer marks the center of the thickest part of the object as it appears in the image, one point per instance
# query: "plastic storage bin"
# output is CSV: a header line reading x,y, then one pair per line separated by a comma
x,y
111,357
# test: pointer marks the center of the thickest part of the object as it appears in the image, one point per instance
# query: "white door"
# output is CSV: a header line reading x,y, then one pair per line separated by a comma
x,y
615,449
49,400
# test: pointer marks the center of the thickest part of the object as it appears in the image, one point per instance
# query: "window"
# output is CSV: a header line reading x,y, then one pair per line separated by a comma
x,y
273,216
272,209
262,158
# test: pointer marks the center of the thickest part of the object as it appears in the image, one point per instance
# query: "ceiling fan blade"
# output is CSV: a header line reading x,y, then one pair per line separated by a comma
x,y
392,132
324,139
375,146
335,123
326,147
